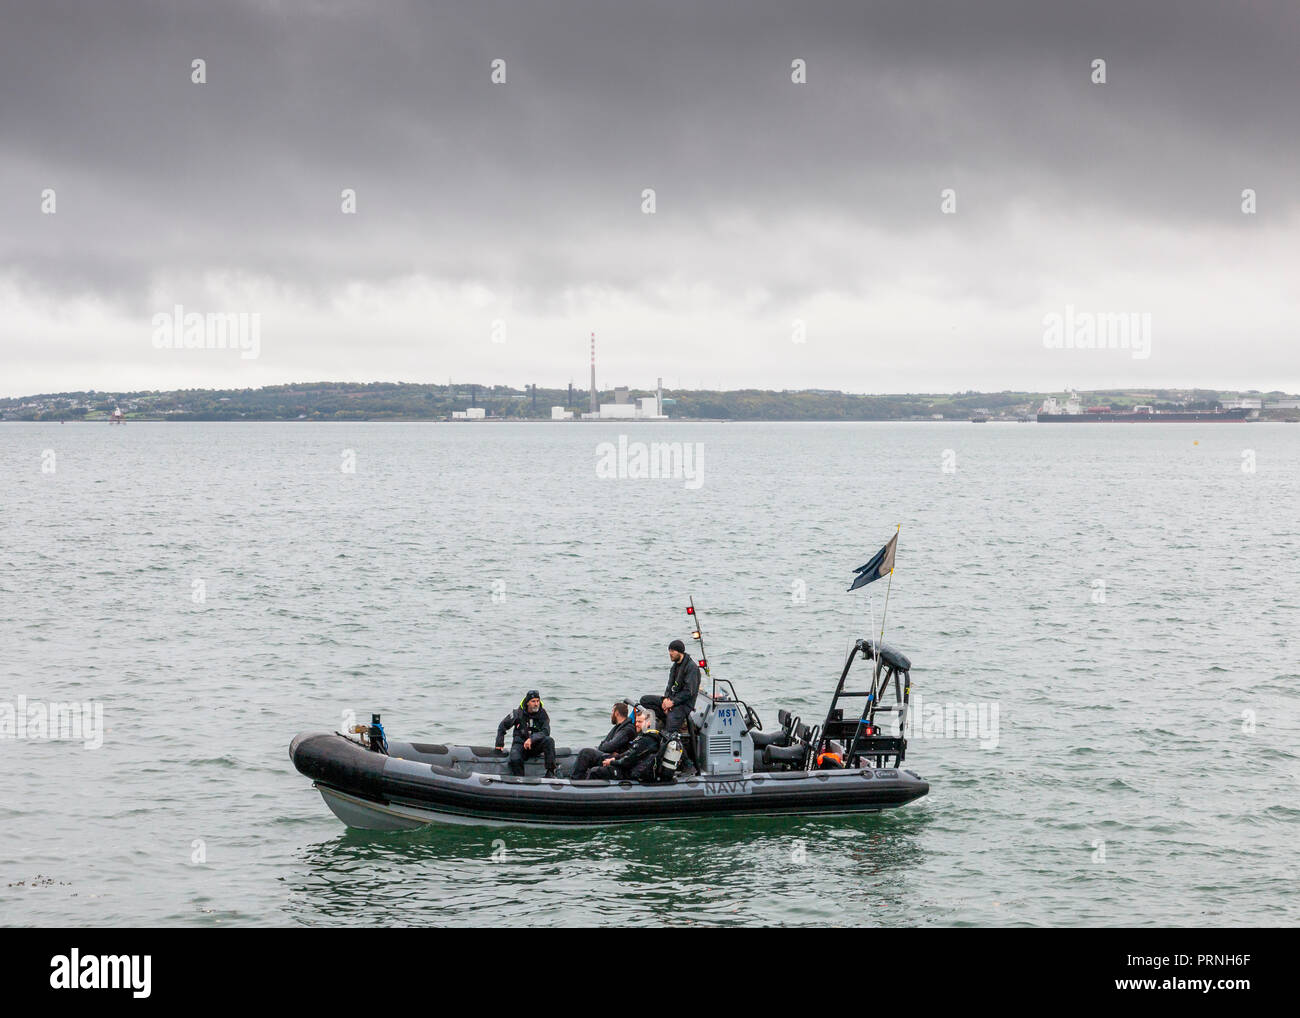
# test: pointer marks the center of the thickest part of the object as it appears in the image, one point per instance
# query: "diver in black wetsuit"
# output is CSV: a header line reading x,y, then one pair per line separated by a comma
x,y
679,696
618,739
638,762
532,734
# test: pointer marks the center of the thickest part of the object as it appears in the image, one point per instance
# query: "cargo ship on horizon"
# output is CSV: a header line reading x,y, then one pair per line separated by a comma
x,y
1072,412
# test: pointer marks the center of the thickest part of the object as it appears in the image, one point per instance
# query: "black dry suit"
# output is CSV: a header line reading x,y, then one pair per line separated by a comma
x,y
637,762
681,691
618,739
683,685
528,726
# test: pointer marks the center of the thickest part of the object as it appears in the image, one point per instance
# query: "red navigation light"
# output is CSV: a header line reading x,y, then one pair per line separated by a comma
x,y
690,610
703,663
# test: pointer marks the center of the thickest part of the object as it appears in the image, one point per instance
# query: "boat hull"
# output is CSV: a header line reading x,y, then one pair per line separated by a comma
x,y
412,787
1188,417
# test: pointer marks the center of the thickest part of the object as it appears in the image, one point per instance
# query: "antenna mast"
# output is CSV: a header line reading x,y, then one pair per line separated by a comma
x,y
698,637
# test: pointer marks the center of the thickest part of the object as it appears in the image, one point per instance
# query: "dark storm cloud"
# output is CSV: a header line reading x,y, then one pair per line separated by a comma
x,y
535,185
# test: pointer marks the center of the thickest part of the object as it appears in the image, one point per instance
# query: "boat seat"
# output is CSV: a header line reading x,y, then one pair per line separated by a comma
x,y
761,739
790,756
491,753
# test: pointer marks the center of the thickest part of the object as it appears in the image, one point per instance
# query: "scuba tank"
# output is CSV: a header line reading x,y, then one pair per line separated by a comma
x,y
371,736
672,756
378,740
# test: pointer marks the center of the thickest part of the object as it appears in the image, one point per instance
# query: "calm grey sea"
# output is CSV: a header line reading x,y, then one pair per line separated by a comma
x,y
1126,597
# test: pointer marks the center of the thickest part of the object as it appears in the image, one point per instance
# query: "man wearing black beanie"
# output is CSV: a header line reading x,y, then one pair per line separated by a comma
x,y
532,734
679,697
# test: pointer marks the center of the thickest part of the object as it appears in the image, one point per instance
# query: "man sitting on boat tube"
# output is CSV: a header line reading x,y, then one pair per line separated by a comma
x,y
618,739
679,697
532,734
638,762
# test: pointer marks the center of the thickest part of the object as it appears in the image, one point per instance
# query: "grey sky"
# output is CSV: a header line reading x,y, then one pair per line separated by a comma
x,y
776,202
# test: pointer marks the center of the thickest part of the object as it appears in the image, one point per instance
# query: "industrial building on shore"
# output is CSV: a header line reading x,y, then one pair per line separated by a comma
x,y
647,408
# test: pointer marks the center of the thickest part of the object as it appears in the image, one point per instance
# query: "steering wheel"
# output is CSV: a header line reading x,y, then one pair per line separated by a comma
x,y
752,720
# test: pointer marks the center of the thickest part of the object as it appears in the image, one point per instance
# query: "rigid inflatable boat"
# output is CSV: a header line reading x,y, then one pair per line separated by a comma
x,y
843,766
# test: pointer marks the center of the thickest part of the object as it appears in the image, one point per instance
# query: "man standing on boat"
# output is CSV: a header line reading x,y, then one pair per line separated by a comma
x,y
618,739
532,734
679,697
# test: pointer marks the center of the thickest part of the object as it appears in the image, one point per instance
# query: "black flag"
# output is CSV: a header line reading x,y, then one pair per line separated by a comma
x,y
881,564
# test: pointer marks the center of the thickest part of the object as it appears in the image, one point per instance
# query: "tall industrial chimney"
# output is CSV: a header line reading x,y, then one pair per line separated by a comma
x,y
594,407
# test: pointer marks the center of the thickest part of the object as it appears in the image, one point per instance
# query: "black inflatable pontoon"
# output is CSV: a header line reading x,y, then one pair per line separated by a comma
x,y
843,766
418,784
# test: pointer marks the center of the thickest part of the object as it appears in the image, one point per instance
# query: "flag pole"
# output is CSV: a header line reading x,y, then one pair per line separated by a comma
x,y
875,679
871,626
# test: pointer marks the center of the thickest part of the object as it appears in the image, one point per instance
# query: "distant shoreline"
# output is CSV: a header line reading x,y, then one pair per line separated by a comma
x,y
379,402
1292,417
500,420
